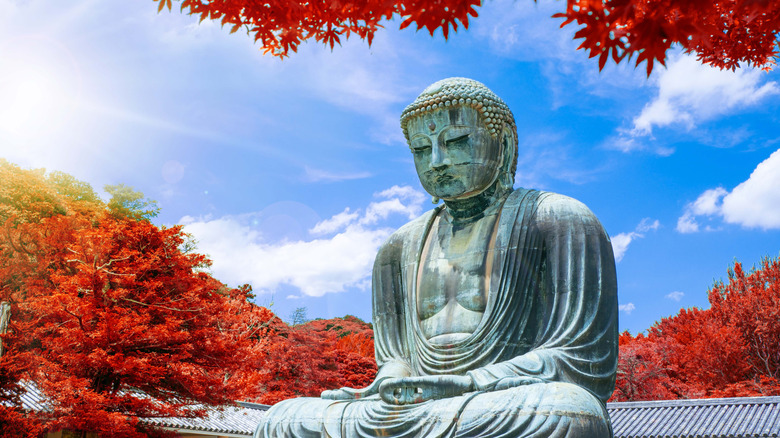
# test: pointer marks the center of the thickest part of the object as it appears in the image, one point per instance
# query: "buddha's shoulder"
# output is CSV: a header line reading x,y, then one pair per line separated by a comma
x,y
555,207
406,237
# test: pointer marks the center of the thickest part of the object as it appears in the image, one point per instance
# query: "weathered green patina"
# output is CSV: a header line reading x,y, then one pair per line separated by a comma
x,y
495,315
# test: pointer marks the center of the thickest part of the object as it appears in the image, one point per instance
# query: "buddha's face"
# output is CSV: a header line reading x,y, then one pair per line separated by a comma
x,y
454,154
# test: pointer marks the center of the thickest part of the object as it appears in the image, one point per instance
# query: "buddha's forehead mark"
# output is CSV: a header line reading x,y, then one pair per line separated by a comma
x,y
436,122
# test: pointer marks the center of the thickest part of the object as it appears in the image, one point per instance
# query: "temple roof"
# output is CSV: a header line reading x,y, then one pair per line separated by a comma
x,y
710,418
238,420
224,421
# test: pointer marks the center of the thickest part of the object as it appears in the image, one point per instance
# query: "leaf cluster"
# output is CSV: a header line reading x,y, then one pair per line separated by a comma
x,y
723,33
280,26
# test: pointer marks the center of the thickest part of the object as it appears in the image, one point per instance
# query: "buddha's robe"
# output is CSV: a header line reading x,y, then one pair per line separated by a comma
x,y
543,357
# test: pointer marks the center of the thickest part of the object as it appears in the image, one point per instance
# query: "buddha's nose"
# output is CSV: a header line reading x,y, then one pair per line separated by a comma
x,y
439,159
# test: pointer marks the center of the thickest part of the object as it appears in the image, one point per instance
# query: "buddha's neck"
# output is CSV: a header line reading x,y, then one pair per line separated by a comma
x,y
475,207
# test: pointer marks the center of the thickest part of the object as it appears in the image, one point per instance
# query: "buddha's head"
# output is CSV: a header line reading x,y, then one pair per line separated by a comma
x,y
463,138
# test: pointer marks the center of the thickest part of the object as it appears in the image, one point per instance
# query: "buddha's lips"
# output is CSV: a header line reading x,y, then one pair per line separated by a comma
x,y
443,177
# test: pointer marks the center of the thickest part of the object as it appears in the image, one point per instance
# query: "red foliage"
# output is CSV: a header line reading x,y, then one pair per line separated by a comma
x,y
281,25
298,364
355,359
306,359
114,318
15,423
751,304
723,33
729,350
640,374
702,354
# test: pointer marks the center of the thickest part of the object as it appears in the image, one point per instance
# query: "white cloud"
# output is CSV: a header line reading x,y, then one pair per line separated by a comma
x,y
620,244
335,223
315,266
402,200
621,241
626,140
675,296
708,203
628,308
689,91
687,223
647,224
755,203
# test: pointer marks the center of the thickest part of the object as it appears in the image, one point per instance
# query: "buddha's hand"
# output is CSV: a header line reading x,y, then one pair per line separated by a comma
x,y
408,390
388,371
352,393
512,382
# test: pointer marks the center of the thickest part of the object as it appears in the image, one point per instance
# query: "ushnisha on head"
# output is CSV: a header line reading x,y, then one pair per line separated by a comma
x,y
462,92
461,102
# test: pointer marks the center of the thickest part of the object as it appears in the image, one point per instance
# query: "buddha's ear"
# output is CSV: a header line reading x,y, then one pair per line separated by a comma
x,y
509,153
508,140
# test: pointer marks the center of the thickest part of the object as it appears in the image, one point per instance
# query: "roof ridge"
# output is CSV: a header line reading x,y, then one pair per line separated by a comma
x,y
259,406
761,400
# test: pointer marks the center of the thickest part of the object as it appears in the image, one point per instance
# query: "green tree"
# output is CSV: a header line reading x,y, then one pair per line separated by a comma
x,y
126,202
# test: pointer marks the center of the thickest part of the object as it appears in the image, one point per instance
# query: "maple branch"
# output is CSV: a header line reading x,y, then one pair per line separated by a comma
x,y
160,306
78,318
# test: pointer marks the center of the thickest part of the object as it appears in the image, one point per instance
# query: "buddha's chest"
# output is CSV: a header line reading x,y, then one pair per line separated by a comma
x,y
454,269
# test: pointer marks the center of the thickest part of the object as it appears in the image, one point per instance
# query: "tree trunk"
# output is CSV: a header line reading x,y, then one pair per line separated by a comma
x,y
5,315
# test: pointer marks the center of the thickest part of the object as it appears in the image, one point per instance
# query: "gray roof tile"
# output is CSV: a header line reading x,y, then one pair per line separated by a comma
x,y
702,418
241,419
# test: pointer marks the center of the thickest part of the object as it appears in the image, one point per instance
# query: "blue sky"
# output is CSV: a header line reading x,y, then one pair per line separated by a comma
x,y
291,173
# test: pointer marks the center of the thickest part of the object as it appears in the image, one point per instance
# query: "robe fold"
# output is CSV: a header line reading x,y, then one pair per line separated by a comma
x,y
543,358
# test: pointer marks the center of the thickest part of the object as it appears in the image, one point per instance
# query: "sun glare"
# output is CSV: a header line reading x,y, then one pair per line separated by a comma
x,y
31,99
39,88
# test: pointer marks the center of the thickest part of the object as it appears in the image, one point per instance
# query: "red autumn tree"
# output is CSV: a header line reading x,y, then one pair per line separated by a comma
x,y
298,363
352,349
750,303
702,355
355,359
114,318
641,374
723,33
26,196
731,349
306,359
